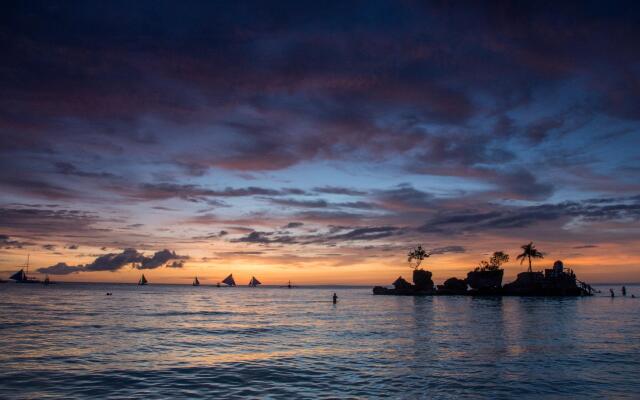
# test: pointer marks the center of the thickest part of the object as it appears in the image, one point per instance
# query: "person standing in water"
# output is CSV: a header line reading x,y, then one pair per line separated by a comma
x,y
335,298
624,291
612,294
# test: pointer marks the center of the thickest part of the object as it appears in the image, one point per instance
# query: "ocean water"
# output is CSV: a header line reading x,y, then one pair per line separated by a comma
x,y
161,341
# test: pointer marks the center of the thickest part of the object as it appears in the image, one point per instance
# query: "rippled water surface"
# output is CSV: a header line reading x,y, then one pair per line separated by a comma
x,y
72,341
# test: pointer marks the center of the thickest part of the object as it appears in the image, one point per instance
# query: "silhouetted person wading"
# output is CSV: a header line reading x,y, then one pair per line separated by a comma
x,y
335,298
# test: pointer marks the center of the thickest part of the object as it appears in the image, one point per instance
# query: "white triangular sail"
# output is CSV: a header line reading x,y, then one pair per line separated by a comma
x,y
229,280
254,282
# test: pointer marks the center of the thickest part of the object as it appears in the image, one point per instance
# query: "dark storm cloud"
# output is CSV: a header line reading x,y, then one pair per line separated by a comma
x,y
116,261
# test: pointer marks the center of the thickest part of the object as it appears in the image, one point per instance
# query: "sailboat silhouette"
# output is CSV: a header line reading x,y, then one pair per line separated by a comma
x,y
229,281
254,282
23,277
142,281
196,282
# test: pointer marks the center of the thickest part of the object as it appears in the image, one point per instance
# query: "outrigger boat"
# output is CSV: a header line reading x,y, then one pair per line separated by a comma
x,y
229,281
22,276
288,285
254,282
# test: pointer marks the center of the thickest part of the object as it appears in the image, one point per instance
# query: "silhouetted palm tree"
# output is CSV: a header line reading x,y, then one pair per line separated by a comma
x,y
529,252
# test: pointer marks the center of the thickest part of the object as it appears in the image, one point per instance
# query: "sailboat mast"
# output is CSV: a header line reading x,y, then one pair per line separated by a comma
x,y
28,255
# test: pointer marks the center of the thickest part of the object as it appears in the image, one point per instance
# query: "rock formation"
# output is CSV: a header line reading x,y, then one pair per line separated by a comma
x,y
402,284
485,280
453,286
422,280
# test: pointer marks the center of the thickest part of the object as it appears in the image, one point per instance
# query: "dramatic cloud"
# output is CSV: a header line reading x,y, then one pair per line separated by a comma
x,y
160,258
61,269
66,168
625,209
39,220
448,249
339,190
336,234
115,261
163,191
7,243
333,124
264,238
522,184
176,264
371,233
405,198
321,204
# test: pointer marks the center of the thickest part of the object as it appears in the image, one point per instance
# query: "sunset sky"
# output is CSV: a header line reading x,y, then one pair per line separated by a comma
x,y
317,142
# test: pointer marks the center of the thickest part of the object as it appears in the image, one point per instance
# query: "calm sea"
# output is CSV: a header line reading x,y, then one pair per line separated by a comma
x,y
160,341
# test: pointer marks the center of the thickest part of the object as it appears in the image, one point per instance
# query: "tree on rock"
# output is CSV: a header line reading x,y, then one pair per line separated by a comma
x,y
495,262
416,256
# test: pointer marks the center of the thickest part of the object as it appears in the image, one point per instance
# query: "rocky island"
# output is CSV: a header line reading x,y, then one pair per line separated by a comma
x,y
486,279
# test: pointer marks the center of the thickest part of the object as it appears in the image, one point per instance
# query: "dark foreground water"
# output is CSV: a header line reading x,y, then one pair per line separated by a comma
x,y
71,341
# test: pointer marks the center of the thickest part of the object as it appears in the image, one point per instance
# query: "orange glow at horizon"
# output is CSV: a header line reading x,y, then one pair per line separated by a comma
x,y
608,263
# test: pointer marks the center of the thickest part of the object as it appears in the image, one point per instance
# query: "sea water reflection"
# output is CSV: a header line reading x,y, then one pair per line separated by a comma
x,y
71,341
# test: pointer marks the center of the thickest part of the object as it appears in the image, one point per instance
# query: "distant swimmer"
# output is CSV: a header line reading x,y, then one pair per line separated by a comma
x,y
624,291
108,294
335,298
612,294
